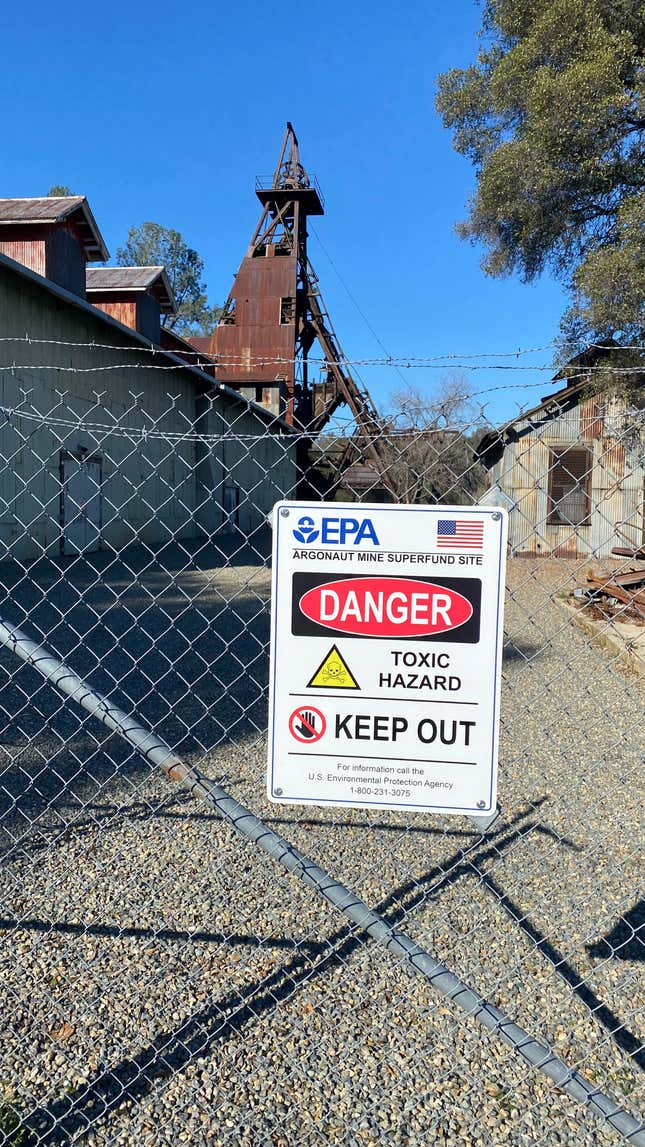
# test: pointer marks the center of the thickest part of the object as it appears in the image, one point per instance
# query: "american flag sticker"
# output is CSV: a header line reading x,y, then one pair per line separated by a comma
x,y
460,534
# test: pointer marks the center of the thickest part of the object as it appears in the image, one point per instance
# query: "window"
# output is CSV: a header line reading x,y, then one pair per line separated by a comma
x,y
569,498
287,310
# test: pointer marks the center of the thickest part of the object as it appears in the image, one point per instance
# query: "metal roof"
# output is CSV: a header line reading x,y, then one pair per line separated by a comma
x,y
154,280
590,356
362,476
550,407
201,343
48,209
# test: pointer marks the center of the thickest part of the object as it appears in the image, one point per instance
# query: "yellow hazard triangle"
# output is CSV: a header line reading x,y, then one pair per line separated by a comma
x,y
333,673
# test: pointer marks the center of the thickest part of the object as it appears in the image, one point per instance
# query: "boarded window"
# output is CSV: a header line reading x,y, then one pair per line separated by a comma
x,y
569,500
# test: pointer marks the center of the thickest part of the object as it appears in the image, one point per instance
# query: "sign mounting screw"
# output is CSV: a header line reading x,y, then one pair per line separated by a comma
x,y
481,804
284,513
496,517
278,792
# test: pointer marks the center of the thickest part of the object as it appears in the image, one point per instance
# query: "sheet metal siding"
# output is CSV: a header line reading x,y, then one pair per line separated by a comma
x,y
54,252
264,470
148,318
140,312
591,419
617,477
17,216
66,260
184,350
260,285
138,480
31,251
123,310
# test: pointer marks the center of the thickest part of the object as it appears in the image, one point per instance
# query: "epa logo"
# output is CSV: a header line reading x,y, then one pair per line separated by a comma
x,y
305,531
336,531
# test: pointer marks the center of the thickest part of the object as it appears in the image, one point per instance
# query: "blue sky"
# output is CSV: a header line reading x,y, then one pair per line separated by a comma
x,y
167,112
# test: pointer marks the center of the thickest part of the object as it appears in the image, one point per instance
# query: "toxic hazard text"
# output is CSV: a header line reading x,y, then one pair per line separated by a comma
x,y
385,607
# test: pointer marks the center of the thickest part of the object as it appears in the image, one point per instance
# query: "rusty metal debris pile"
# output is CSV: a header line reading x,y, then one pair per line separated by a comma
x,y
617,595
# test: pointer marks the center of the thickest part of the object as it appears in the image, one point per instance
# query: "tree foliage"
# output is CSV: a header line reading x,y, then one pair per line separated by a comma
x,y
58,190
427,450
430,447
151,245
552,115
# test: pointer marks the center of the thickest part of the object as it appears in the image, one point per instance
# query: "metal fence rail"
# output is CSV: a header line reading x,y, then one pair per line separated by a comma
x,y
163,980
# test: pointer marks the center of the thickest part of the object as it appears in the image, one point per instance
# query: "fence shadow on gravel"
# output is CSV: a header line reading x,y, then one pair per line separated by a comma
x,y
173,1049
626,941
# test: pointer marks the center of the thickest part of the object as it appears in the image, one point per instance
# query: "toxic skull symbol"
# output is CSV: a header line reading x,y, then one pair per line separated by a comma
x,y
333,670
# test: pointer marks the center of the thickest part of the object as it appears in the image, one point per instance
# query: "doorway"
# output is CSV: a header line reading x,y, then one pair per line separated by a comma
x,y
231,509
81,507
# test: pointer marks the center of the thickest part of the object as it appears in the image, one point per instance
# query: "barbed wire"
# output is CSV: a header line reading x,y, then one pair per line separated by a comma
x,y
386,423
139,432
408,361
152,349
262,363
145,433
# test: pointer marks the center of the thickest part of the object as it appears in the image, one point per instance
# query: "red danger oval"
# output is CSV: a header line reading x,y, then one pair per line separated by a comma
x,y
385,607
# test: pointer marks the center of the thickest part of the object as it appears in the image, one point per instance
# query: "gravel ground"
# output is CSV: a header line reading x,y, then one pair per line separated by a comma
x,y
161,982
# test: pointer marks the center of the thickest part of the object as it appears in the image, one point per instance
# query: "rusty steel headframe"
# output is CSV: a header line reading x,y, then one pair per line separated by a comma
x,y
275,313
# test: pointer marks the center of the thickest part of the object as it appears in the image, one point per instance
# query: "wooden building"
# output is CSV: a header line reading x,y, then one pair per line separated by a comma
x,y
136,296
56,236
108,436
573,470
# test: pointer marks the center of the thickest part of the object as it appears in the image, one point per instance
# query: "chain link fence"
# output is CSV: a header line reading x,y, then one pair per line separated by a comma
x,y
174,969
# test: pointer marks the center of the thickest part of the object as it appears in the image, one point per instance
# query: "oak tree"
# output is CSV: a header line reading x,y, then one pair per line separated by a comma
x,y
552,115
150,244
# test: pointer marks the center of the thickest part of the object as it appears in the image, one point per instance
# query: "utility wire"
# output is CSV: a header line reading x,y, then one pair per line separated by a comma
x,y
354,300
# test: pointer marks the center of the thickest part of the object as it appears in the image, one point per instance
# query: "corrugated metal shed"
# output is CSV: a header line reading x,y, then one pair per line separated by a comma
x,y
605,437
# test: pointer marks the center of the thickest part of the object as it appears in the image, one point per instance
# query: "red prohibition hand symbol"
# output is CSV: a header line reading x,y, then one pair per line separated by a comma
x,y
307,725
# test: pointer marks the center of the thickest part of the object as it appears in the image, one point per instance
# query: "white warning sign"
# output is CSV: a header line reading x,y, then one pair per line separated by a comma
x,y
386,638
